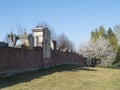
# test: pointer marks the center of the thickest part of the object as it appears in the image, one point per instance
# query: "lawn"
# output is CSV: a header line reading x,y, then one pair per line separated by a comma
x,y
64,78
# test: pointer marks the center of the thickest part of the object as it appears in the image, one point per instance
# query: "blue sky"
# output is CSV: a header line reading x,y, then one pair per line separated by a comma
x,y
75,18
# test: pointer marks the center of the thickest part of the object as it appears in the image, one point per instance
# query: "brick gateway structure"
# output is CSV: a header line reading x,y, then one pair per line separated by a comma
x,y
16,60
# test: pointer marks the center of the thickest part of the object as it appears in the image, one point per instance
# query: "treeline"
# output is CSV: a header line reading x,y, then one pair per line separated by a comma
x,y
109,35
103,48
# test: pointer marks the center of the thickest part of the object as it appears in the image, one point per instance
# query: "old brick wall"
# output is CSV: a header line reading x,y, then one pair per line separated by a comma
x,y
16,59
19,60
59,58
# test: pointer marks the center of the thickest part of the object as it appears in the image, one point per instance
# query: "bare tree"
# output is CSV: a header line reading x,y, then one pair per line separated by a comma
x,y
64,43
20,29
13,39
52,32
70,46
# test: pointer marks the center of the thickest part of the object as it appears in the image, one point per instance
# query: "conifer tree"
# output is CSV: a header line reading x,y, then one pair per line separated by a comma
x,y
112,39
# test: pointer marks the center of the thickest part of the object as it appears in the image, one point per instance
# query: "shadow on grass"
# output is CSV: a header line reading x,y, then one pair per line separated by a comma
x,y
28,76
115,67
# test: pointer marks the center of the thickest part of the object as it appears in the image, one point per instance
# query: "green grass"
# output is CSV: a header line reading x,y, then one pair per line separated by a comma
x,y
64,78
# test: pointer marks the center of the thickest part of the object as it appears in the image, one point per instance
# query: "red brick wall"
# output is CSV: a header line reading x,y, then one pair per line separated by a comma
x,y
17,60
67,58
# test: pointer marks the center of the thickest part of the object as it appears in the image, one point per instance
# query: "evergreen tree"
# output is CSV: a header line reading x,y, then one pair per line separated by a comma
x,y
117,58
102,32
112,39
94,34
98,33
110,35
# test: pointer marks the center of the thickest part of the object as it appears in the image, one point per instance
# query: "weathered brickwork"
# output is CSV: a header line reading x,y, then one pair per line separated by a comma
x,y
19,60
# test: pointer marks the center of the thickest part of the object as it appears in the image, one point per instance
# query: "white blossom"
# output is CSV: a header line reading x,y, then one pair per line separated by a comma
x,y
99,49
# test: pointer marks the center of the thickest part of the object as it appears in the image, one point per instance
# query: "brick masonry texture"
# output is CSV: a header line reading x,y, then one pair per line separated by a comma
x,y
18,60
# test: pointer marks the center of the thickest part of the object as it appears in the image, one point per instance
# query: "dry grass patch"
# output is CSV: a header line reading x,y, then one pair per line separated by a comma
x,y
64,78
